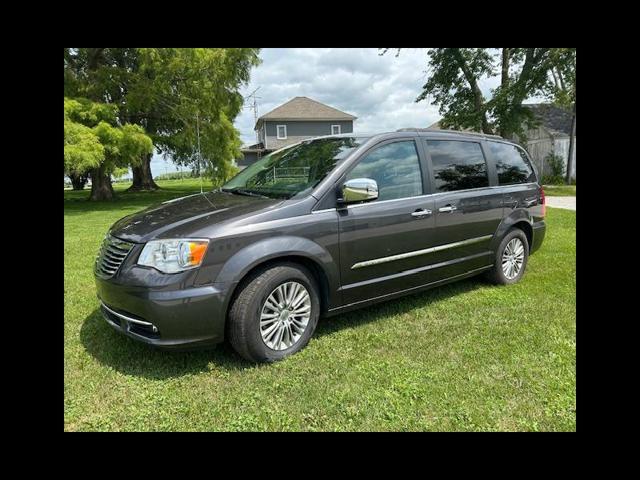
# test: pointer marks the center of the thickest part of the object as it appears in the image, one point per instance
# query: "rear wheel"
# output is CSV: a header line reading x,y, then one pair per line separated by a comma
x,y
275,313
511,258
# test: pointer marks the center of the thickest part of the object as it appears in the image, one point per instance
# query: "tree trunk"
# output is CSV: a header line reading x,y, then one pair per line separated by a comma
x,y
572,145
78,181
142,178
504,83
101,188
506,54
478,98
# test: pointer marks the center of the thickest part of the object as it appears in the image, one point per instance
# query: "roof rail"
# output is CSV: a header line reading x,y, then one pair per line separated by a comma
x,y
459,132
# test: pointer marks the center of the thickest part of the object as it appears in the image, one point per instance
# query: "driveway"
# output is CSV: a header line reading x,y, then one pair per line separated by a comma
x,y
568,203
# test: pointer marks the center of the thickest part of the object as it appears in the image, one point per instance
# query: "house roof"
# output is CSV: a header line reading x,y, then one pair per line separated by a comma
x,y
256,147
552,117
305,108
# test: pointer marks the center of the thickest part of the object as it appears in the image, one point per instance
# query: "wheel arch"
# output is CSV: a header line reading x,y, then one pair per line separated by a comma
x,y
301,251
516,219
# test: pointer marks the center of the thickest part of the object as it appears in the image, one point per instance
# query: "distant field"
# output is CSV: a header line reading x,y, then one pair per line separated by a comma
x,y
467,356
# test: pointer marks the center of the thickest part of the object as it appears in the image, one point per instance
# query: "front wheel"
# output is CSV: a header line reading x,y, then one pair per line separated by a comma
x,y
275,313
511,259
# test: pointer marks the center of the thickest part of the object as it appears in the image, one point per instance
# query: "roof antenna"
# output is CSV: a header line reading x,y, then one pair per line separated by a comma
x,y
254,107
199,153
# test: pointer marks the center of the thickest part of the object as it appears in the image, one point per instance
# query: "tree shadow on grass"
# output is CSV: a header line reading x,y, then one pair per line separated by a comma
x,y
134,358
130,357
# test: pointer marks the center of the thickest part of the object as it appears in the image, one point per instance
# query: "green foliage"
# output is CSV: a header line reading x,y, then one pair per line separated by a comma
x,y
82,148
453,84
93,138
86,112
555,165
170,92
561,81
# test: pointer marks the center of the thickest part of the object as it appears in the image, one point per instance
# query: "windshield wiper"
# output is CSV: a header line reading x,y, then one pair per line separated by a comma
x,y
241,191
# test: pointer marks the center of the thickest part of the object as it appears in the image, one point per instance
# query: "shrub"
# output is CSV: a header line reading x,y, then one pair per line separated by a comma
x,y
555,165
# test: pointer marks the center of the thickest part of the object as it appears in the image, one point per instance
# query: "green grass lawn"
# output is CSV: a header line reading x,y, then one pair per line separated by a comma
x,y
560,190
467,356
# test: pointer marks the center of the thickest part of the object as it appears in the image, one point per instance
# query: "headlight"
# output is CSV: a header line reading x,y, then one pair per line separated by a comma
x,y
171,256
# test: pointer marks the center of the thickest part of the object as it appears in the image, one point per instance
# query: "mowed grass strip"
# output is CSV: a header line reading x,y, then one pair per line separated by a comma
x,y
466,356
560,190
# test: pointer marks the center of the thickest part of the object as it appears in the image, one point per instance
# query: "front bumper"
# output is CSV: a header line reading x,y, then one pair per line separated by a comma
x,y
168,318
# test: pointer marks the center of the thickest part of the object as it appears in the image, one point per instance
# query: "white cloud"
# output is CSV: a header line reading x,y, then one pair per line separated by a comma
x,y
379,90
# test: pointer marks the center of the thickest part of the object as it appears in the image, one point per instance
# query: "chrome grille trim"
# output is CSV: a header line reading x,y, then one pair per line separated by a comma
x,y
125,317
111,255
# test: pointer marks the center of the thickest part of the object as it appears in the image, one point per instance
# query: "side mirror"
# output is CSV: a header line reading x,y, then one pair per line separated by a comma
x,y
359,190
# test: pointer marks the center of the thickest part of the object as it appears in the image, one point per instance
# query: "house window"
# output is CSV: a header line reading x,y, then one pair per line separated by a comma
x,y
282,132
335,130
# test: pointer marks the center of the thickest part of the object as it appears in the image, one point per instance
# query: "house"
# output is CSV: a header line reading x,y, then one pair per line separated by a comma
x,y
550,136
293,121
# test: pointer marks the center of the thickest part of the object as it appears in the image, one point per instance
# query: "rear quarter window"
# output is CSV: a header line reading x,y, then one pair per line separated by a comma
x,y
512,164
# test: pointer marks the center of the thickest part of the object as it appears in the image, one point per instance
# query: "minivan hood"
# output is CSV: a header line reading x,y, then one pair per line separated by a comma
x,y
177,217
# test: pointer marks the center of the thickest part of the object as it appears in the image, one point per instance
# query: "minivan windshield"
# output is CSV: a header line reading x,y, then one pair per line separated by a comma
x,y
292,171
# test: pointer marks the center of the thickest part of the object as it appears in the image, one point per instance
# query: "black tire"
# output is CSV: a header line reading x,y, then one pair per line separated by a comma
x,y
496,275
244,315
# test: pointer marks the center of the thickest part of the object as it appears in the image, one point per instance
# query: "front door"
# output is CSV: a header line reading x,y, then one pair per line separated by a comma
x,y
380,241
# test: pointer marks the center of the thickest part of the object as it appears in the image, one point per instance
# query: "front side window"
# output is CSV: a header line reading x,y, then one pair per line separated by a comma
x,y
512,164
292,171
335,129
396,169
282,132
457,165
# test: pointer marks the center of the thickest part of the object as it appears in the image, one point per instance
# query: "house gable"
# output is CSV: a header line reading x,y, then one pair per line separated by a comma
x,y
299,130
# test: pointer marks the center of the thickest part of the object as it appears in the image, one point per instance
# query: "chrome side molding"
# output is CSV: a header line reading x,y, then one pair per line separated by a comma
x,y
415,253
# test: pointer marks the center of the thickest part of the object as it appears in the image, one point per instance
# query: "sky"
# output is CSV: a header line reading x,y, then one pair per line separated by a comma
x,y
379,90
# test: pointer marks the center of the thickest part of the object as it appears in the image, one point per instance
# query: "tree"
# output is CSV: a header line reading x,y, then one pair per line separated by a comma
x,y
170,92
94,141
455,75
561,88
453,84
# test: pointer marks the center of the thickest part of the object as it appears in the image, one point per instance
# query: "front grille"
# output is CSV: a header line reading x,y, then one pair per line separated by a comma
x,y
111,255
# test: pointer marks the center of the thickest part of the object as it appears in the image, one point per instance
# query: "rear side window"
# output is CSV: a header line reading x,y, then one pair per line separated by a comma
x,y
396,169
512,164
457,165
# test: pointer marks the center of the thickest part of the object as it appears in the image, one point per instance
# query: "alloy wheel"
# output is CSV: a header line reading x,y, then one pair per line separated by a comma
x,y
285,315
513,258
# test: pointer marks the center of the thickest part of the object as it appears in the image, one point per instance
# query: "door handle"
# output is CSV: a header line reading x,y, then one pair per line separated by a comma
x,y
422,212
448,208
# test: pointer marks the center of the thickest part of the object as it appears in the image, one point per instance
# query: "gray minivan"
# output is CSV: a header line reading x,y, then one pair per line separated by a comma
x,y
318,228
